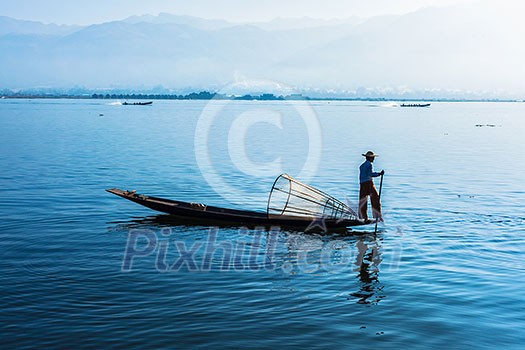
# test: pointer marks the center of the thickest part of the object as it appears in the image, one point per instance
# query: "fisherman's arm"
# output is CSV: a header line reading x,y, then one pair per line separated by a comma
x,y
375,174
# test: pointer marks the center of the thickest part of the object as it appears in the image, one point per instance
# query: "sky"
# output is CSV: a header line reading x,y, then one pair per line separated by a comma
x,y
84,12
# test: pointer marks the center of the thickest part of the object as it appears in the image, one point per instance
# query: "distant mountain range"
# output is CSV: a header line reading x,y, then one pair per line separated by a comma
x,y
433,51
15,26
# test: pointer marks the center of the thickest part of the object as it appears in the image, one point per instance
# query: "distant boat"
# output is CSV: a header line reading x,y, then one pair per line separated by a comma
x,y
137,103
415,105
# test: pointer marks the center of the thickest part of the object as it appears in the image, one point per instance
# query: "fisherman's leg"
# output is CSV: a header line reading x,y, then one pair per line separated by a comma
x,y
363,202
376,203
363,208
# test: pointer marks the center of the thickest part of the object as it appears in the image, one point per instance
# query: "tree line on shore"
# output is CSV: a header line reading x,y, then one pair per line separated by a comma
x,y
206,95
203,95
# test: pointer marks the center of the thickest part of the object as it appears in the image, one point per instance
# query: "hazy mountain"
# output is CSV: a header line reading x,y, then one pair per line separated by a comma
x,y
430,48
195,22
305,22
454,48
14,26
213,24
122,53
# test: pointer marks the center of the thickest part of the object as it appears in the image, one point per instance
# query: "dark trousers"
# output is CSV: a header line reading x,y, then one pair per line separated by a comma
x,y
368,189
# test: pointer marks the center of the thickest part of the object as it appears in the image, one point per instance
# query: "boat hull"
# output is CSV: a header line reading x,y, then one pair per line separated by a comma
x,y
416,105
203,214
137,103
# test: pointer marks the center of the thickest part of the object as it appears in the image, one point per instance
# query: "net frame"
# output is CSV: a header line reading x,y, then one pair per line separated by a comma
x,y
315,203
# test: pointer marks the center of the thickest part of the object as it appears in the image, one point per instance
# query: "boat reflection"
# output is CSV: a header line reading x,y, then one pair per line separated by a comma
x,y
166,220
286,252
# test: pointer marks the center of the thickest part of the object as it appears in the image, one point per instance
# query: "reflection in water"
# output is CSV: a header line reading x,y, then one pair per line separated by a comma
x,y
167,220
289,253
367,262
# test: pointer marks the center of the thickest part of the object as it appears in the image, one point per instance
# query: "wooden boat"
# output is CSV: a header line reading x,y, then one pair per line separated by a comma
x,y
291,203
206,214
137,103
415,105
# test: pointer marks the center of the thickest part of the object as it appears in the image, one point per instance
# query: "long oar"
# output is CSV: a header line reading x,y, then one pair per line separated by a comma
x,y
380,188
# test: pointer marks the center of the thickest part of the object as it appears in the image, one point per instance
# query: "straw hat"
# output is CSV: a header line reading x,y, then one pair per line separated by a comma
x,y
370,154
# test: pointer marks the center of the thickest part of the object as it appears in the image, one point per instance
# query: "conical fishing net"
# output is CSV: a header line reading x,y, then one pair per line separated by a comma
x,y
290,197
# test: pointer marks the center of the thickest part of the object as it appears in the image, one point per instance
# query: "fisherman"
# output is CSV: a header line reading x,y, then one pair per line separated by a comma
x,y
367,188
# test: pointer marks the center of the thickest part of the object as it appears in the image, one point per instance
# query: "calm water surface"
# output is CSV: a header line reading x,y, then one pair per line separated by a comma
x,y
446,270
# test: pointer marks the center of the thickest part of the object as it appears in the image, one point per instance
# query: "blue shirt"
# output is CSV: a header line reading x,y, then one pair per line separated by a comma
x,y
366,172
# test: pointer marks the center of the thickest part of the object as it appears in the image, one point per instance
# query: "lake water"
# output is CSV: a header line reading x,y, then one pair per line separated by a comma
x,y
81,267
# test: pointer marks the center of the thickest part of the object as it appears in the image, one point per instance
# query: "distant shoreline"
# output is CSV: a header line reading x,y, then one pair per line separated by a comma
x,y
205,95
